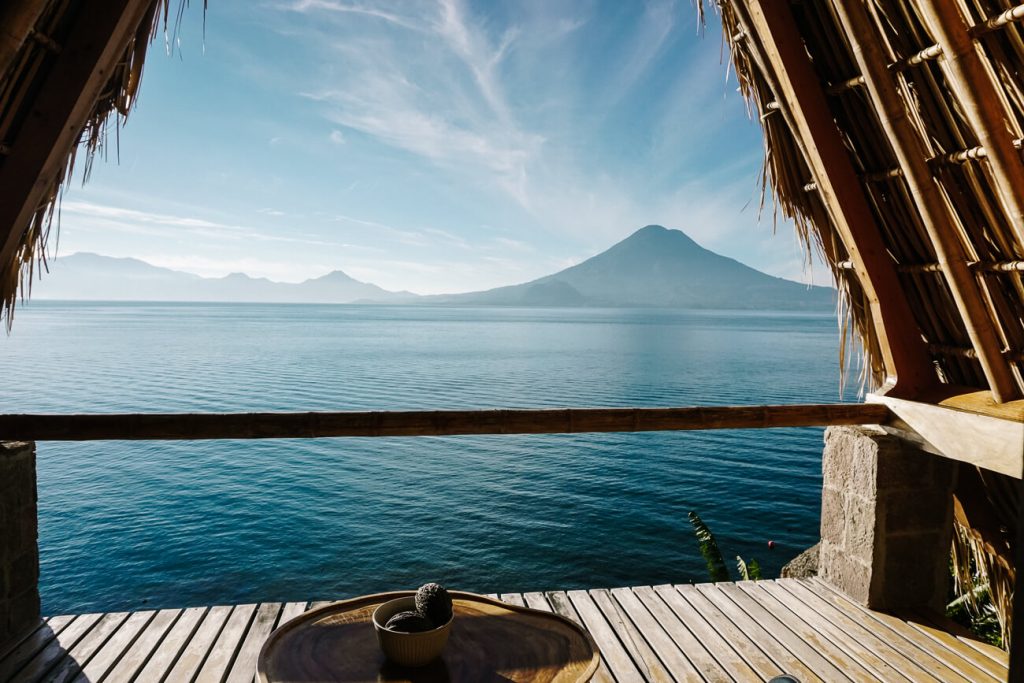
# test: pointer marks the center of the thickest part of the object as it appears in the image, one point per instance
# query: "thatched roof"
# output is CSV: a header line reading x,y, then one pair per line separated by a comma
x,y
902,167
928,145
69,71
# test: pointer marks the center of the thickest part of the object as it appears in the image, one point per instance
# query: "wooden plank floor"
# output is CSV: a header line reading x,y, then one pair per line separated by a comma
x,y
715,632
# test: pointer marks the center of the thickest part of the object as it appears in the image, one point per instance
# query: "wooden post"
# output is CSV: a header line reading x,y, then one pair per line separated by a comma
x,y
866,42
787,68
60,110
975,88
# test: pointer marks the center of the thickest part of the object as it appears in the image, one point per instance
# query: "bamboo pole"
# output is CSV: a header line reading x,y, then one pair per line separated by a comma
x,y
866,42
968,352
975,266
788,71
1009,16
189,426
975,87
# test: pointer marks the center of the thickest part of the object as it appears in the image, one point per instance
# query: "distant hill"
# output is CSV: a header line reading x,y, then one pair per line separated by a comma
x,y
104,278
655,267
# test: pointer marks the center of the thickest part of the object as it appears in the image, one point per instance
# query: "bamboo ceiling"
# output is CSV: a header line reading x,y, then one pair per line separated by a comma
x,y
900,164
924,99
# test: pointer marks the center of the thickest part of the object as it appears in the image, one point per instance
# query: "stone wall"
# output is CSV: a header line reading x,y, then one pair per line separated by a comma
x,y
19,549
886,519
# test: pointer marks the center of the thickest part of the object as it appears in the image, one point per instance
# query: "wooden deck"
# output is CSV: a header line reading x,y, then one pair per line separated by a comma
x,y
721,632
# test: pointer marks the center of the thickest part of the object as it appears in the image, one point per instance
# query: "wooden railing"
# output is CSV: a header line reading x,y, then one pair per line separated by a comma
x,y
185,426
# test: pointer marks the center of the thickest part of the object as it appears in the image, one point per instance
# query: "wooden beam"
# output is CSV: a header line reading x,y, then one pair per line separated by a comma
x,y
40,150
188,426
975,88
994,441
797,88
866,42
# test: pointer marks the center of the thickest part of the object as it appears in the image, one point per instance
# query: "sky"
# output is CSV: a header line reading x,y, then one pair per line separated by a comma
x,y
428,145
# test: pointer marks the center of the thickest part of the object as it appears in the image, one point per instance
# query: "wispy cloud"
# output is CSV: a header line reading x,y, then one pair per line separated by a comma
x,y
487,142
351,8
85,215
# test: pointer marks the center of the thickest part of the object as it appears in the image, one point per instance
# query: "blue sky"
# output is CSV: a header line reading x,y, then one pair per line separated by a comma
x,y
434,145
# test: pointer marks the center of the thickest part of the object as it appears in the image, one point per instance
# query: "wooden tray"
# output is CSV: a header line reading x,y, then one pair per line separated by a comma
x,y
489,641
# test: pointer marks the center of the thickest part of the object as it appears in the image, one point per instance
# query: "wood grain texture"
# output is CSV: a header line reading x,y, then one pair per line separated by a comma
x,y
489,640
559,604
741,632
709,651
898,628
631,637
78,656
994,443
244,667
138,654
176,640
763,636
225,649
916,669
728,641
615,655
115,646
56,650
191,426
199,644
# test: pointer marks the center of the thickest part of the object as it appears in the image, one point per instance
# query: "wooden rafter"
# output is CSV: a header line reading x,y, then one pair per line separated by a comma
x,y
866,42
975,88
787,68
39,152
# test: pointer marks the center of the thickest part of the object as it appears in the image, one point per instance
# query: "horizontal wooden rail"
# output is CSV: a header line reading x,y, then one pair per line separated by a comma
x,y
186,426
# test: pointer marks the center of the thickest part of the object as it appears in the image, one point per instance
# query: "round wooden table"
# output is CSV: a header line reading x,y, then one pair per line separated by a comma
x,y
489,641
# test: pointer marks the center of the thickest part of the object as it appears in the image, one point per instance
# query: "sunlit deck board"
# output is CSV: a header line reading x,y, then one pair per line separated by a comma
x,y
724,632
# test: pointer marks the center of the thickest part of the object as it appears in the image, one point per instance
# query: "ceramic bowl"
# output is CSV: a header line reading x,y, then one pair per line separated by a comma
x,y
408,649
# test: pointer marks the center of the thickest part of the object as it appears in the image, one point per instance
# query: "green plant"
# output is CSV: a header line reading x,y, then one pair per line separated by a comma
x,y
717,569
748,571
971,602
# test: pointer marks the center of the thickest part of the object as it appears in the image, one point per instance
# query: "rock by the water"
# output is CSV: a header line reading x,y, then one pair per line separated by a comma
x,y
803,565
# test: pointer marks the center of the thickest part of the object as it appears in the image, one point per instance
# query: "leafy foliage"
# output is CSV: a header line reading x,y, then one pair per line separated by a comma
x,y
709,549
749,571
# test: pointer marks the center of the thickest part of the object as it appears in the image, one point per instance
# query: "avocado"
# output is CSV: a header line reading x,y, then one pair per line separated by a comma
x,y
409,622
433,601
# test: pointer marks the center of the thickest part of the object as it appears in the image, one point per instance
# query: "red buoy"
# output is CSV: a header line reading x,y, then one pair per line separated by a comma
x,y
771,545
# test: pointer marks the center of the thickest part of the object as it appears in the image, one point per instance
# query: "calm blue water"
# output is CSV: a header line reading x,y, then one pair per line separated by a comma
x,y
123,524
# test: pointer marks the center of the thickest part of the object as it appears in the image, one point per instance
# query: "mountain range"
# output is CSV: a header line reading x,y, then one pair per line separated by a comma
x,y
652,267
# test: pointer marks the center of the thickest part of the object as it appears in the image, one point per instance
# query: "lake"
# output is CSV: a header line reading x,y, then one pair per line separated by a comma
x,y
130,524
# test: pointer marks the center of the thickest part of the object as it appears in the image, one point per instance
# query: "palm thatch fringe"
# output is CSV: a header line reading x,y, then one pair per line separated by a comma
x,y
19,81
981,576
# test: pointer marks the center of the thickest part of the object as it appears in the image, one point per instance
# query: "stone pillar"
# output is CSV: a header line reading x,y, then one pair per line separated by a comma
x,y
19,548
886,519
